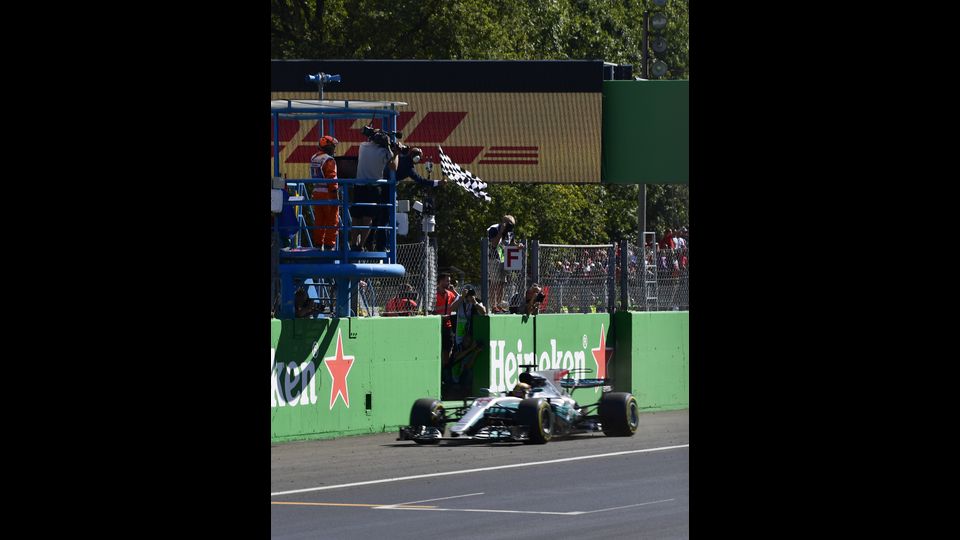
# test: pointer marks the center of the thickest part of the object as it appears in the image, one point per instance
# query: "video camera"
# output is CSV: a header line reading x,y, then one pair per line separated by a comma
x,y
379,136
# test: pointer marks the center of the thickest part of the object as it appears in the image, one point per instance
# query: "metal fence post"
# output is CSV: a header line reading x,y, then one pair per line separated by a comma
x,y
611,278
533,271
274,262
484,271
425,298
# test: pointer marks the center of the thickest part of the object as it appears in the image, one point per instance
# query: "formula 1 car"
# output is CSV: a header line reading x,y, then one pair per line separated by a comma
x,y
546,411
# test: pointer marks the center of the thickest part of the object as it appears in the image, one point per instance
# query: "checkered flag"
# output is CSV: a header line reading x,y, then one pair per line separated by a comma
x,y
464,179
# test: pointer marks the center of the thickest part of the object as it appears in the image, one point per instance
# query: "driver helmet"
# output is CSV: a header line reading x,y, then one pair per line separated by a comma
x,y
520,390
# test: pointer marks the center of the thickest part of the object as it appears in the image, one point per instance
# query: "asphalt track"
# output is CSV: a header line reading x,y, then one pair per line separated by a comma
x,y
375,487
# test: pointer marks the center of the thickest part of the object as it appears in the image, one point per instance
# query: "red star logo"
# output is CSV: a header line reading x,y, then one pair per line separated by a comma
x,y
602,355
339,367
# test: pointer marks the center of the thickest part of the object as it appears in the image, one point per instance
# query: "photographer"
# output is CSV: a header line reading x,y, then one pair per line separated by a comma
x,y
408,158
447,303
530,303
466,350
465,312
376,153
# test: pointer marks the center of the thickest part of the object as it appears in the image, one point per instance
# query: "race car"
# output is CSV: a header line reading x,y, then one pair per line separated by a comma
x,y
546,411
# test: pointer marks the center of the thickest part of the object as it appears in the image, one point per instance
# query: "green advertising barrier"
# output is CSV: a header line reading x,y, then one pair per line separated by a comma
x,y
385,364
504,339
350,376
581,342
657,344
645,353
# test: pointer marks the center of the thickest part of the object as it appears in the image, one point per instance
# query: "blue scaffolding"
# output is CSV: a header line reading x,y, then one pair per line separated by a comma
x,y
300,262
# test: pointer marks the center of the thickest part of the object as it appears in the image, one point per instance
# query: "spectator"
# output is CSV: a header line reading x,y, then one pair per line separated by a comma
x,y
323,165
405,168
306,308
500,236
374,156
679,241
667,241
402,305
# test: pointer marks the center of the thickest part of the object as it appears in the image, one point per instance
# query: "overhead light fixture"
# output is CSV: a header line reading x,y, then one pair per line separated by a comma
x,y
659,45
659,68
658,21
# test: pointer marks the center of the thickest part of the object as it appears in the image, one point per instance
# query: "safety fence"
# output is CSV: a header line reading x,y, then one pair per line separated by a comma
x,y
591,279
413,294
573,278
662,284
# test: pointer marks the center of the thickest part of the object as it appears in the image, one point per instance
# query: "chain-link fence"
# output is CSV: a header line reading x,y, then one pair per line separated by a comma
x,y
412,294
574,279
579,278
665,287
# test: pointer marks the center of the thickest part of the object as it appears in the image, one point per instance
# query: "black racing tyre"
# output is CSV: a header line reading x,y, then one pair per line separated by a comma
x,y
537,414
427,412
619,414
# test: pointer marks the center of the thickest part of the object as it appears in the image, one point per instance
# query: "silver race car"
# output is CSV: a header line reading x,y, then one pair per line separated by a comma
x,y
546,411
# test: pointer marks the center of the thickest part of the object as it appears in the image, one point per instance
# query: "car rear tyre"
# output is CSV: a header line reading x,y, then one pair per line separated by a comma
x,y
619,414
427,412
537,414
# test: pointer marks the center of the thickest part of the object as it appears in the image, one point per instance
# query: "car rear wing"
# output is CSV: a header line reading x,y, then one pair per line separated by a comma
x,y
562,379
583,383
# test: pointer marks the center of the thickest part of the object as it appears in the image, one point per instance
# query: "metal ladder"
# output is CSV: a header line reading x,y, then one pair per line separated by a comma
x,y
318,289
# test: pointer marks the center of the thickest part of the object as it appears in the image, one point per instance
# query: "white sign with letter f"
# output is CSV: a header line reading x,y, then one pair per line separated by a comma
x,y
513,258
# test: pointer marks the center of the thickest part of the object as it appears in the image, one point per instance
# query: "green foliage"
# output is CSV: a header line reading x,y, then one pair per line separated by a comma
x,y
609,30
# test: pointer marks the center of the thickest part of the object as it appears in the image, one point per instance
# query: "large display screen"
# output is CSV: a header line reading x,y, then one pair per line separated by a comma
x,y
518,122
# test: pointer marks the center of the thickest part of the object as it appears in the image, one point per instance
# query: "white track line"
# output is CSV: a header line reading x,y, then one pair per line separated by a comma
x,y
429,500
574,513
466,471
627,506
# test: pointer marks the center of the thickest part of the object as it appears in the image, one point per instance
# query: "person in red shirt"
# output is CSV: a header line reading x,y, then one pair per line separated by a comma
x,y
402,305
323,165
667,241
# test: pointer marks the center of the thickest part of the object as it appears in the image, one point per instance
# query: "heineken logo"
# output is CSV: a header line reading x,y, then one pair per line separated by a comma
x,y
293,384
504,361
